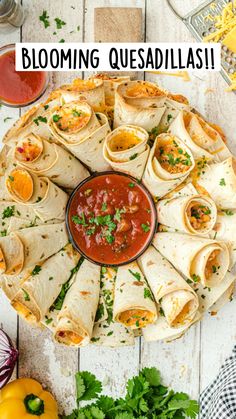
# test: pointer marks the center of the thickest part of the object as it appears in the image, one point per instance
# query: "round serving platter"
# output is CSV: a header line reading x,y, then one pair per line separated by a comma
x,y
122,276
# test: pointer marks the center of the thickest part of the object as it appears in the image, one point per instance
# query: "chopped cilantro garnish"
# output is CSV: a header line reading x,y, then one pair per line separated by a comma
x,y
148,294
44,18
104,206
75,112
79,220
26,295
100,312
11,178
145,227
60,23
40,119
8,211
56,118
135,274
133,156
131,185
222,182
36,270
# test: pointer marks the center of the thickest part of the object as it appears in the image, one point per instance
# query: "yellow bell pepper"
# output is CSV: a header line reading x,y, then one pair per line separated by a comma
x,y
25,399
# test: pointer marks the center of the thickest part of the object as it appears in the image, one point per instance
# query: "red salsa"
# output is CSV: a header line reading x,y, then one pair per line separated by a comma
x,y
19,87
111,218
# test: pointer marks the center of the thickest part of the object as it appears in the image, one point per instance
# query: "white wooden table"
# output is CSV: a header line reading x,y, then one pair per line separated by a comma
x,y
190,363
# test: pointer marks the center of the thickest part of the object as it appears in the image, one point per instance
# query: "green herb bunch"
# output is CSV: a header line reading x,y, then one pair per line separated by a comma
x,y
146,398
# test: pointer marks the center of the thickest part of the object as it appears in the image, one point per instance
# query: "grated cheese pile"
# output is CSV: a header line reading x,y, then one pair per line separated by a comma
x,y
224,24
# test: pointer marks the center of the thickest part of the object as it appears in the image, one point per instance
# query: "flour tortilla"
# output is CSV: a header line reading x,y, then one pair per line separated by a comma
x,y
12,255
156,179
110,84
53,161
43,288
219,180
41,242
11,212
174,213
225,229
47,199
87,143
145,112
131,160
189,254
29,123
209,298
79,308
200,137
79,90
177,299
109,333
133,293
173,108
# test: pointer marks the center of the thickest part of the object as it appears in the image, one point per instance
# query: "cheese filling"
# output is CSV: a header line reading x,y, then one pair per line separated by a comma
x,y
20,183
212,265
28,151
172,157
140,90
82,85
198,215
136,317
123,141
68,337
70,119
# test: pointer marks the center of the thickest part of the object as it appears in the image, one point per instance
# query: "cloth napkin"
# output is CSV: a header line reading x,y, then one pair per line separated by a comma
x,y
218,400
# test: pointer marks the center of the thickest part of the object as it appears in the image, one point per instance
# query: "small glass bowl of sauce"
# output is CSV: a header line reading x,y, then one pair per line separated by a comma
x,y
19,88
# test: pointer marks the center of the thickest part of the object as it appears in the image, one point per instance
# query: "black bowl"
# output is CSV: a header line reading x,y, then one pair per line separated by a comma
x,y
147,193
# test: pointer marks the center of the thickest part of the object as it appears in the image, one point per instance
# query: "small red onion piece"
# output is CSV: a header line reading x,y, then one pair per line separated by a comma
x,y
8,358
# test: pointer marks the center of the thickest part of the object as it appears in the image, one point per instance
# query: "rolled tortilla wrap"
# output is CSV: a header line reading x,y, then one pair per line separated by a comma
x,y
90,91
35,120
194,214
47,159
110,333
76,318
12,255
208,297
10,210
38,292
200,259
125,149
39,243
199,136
85,138
134,305
47,199
219,180
174,105
110,84
225,229
139,103
168,165
177,299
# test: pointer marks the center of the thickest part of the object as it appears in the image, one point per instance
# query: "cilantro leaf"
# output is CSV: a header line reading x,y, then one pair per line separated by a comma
x,y
152,375
87,386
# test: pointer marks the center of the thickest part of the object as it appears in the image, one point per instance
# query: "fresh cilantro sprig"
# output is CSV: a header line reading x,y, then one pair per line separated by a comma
x,y
146,397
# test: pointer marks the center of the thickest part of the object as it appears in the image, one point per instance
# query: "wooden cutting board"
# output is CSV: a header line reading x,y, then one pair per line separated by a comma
x,y
118,24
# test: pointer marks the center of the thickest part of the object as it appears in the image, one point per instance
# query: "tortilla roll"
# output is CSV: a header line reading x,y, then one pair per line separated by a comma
x,y
225,229
177,299
35,120
199,136
134,305
76,126
12,211
77,316
109,333
38,292
110,84
47,159
174,105
199,259
219,181
11,255
194,214
46,198
90,91
139,103
169,163
125,149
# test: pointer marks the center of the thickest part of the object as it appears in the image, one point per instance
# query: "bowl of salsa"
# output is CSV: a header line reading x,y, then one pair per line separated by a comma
x,y
19,88
111,218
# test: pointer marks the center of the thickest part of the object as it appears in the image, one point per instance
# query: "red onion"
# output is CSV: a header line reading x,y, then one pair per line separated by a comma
x,y
8,358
